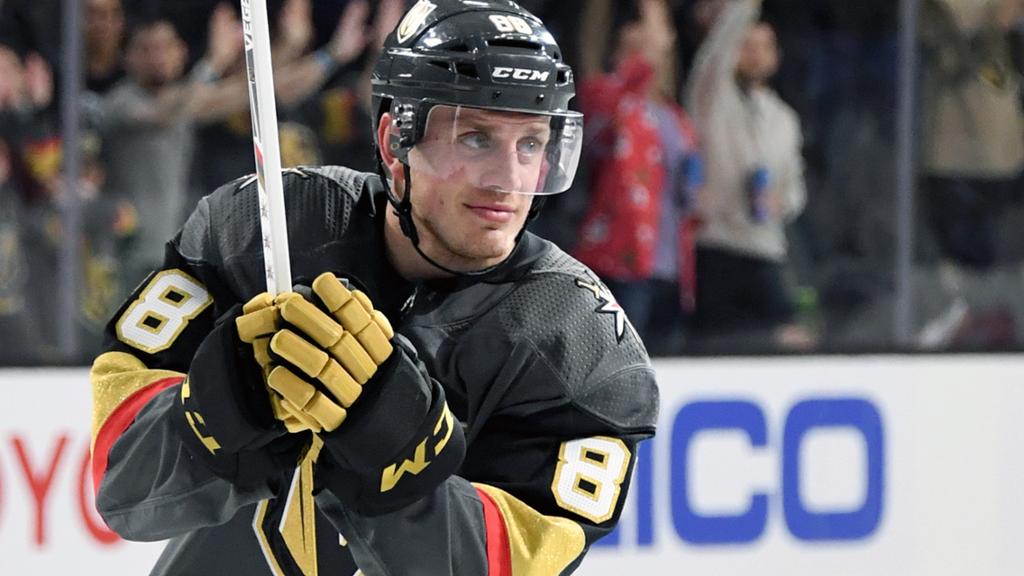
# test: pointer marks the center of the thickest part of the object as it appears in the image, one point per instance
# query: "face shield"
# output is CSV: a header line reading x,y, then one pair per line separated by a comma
x,y
499,150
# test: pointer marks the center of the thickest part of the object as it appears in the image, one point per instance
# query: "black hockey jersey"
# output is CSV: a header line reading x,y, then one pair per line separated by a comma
x,y
540,366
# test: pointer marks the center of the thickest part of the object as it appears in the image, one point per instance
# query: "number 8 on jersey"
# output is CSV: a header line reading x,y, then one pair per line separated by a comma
x,y
589,476
162,310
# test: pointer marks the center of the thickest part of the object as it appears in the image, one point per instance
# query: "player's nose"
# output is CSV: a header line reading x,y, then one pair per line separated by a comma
x,y
501,170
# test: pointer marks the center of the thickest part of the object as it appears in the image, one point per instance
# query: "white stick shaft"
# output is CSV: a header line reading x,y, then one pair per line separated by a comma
x,y
256,29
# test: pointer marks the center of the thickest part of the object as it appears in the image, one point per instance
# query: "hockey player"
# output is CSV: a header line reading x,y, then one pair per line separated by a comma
x,y
458,395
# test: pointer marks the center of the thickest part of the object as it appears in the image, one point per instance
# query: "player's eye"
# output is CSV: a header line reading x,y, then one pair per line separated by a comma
x,y
530,145
475,140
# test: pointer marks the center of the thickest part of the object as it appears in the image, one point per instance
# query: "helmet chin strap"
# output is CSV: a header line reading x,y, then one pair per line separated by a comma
x,y
403,209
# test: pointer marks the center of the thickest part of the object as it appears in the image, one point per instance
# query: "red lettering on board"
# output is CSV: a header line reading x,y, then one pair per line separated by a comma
x,y
87,505
39,484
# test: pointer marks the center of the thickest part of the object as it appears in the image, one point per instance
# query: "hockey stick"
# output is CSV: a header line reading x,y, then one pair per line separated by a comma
x,y
273,225
274,228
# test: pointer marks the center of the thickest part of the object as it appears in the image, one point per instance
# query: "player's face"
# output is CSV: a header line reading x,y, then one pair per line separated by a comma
x,y
472,178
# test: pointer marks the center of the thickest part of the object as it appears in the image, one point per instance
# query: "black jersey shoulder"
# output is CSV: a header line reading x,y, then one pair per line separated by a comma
x,y
334,225
573,322
319,203
545,301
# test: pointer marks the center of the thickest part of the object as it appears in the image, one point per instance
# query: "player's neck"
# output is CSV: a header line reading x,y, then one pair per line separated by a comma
x,y
404,257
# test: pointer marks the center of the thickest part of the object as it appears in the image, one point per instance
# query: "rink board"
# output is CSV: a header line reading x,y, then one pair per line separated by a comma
x,y
841,466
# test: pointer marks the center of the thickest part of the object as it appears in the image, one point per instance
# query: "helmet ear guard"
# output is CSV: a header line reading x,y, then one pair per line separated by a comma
x,y
404,117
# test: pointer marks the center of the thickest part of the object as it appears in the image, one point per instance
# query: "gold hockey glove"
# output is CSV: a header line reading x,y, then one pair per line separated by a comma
x,y
260,320
340,349
224,414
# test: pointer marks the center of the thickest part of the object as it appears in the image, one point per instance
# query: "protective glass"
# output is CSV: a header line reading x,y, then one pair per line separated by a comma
x,y
501,150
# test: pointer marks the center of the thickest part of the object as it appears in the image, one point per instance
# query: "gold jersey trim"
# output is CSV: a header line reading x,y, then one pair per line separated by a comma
x,y
539,545
116,376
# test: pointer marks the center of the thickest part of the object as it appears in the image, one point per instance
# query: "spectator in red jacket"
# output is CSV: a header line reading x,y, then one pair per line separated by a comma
x,y
637,233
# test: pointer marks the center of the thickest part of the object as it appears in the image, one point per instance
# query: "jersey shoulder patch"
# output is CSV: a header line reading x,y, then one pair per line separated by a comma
x,y
606,304
578,289
573,321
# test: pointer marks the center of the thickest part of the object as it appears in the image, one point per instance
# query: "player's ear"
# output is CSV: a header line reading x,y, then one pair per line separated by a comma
x,y
385,131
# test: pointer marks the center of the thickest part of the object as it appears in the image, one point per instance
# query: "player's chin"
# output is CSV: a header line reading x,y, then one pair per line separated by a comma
x,y
489,244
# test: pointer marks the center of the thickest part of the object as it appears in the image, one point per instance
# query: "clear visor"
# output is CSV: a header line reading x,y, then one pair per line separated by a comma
x,y
505,151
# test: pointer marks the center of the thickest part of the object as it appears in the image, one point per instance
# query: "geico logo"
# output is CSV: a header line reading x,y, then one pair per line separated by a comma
x,y
35,471
502,72
842,435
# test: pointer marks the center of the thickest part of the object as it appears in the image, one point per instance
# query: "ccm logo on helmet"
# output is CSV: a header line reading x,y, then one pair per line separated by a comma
x,y
503,72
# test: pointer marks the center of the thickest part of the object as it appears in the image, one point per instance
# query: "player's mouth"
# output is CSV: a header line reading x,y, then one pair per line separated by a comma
x,y
497,213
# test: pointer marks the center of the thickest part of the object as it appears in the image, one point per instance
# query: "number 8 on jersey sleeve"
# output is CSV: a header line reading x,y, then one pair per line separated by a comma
x,y
589,476
164,307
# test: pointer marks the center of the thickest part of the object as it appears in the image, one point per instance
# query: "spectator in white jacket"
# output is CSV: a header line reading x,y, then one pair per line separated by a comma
x,y
754,184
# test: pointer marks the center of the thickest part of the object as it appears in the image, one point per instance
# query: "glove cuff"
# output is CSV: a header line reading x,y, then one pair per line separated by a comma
x,y
222,411
197,439
398,446
268,466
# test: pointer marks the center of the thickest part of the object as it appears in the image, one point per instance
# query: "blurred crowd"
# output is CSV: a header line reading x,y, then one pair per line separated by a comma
x,y
737,192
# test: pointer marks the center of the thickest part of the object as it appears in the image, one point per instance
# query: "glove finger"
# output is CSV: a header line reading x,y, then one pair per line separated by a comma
x,y
354,315
340,384
296,350
261,322
299,420
310,401
353,358
326,412
345,305
277,407
284,297
261,350
294,426
290,387
385,325
292,418
332,293
375,342
363,299
320,327
258,302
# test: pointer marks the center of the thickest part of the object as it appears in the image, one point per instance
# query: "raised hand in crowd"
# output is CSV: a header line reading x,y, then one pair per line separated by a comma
x,y
352,34
295,32
388,15
225,39
12,79
706,12
38,81
658,32
352,38
27,85
1008,14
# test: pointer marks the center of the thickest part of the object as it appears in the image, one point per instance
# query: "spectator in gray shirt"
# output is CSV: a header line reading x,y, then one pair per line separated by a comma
x,y
148,124
754,186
